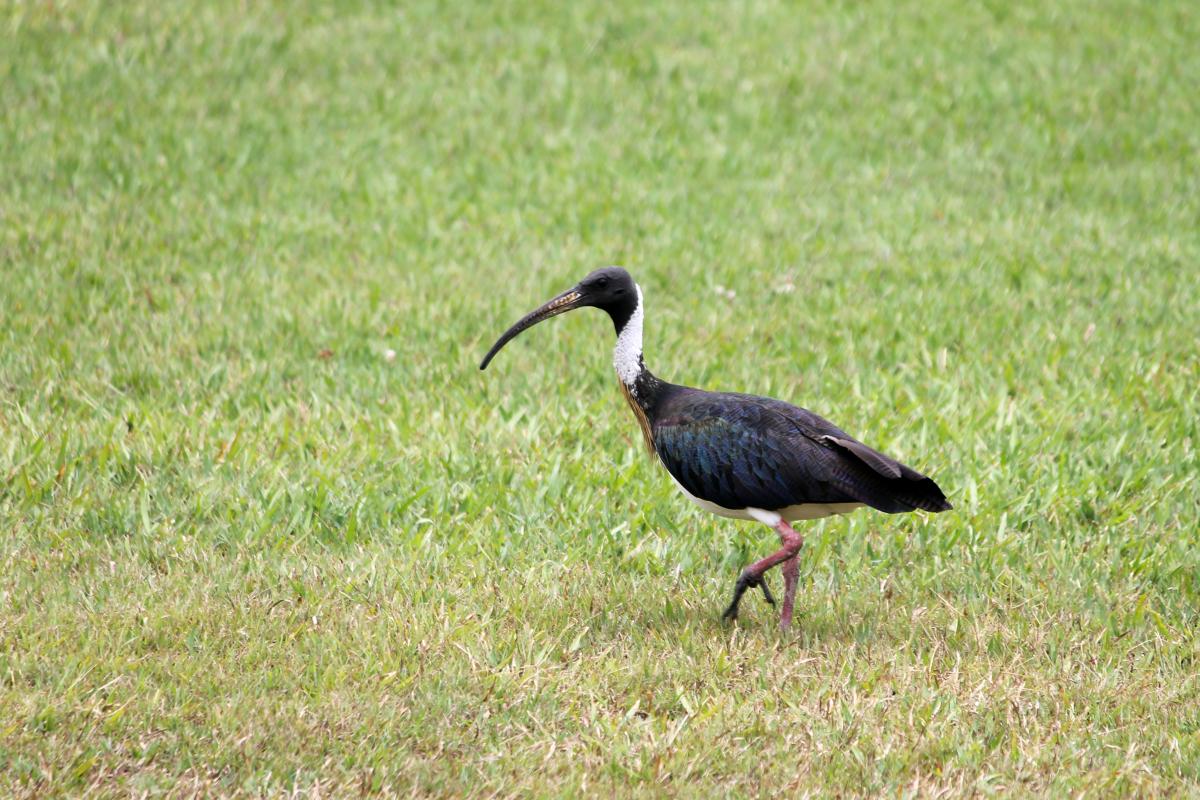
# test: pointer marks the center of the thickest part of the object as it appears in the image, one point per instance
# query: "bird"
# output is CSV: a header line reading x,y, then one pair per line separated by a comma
x,y
740,456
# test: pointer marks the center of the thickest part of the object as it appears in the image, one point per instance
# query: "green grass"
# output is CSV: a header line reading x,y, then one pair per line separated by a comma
x,y
243,552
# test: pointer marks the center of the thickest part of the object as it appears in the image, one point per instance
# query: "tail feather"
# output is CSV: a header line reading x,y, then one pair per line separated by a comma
x,y
884,483
903,494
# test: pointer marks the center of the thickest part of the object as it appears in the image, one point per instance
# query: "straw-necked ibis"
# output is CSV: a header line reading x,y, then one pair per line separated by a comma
x,y
738,455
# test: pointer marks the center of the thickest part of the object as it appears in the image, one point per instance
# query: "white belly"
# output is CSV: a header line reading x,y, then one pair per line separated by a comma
x,y
794,513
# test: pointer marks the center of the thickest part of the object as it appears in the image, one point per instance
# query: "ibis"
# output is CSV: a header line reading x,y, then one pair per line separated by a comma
x,y
738,455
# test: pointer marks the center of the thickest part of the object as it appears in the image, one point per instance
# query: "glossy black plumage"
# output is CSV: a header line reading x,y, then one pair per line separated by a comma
x,y
739,450
740,455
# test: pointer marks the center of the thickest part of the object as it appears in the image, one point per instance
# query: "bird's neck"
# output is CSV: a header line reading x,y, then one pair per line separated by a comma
x,y
627,354
641,388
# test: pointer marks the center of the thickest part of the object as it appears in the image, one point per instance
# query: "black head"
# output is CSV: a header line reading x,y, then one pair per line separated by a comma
x,y
610,289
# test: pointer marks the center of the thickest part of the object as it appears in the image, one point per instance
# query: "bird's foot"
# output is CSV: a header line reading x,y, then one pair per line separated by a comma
x,y
747,580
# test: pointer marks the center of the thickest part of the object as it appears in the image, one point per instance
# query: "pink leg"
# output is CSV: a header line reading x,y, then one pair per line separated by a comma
x,y
791,577
752,575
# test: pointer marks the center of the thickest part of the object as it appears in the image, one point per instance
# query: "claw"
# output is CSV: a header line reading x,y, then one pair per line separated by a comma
x,y
766,591
747,580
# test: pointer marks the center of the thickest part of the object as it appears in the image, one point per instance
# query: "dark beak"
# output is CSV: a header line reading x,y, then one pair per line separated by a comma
x,y
560,305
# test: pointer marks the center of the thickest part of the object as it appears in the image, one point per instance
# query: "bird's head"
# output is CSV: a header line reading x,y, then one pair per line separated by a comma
x,y
610,289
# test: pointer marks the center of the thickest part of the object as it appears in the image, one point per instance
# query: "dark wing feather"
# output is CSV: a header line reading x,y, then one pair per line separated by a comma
x,y
739,450
738,454
887,467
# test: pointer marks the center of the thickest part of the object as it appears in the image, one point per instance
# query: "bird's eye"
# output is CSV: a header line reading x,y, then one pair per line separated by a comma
x,y
601,282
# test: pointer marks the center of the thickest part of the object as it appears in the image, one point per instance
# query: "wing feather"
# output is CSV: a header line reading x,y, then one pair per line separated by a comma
x,y
740,450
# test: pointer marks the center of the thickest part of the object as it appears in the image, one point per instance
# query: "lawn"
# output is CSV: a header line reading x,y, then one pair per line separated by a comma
x,y
265,527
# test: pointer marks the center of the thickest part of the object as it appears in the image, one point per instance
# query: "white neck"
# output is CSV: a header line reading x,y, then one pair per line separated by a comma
x,y
627,355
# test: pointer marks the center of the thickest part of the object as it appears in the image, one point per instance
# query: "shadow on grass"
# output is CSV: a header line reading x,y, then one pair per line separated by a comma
x,y
813,624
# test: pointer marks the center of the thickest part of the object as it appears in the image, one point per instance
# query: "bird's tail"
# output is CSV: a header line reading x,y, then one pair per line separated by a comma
x,y
885,484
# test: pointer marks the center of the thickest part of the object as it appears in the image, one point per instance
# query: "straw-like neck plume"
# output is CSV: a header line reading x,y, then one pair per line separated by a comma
x,y
627,354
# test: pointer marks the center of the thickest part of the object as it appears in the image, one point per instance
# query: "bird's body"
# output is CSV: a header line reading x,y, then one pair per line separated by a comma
x,y
739,455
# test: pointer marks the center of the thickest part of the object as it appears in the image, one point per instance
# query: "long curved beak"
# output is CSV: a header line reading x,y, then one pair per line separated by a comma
x,y
559,305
